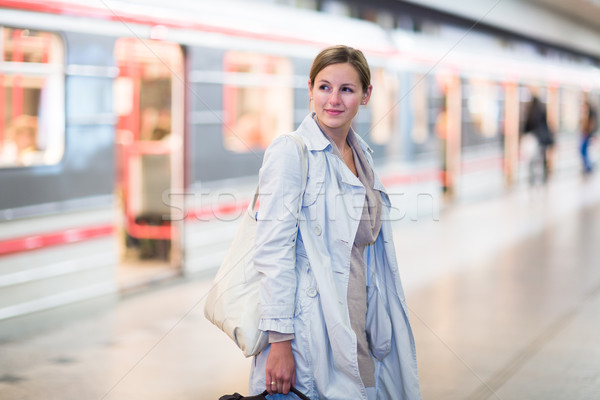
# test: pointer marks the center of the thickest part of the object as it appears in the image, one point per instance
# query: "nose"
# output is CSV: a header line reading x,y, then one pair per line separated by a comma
x,y
335,97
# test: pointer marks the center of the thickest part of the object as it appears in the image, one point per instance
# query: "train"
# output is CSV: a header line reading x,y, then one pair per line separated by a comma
x,y
132,132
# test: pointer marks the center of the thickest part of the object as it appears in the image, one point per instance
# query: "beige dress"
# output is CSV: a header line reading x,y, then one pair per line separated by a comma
x,y
368,230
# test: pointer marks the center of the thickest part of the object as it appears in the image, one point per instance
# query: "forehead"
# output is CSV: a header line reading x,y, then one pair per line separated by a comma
x,y
339,73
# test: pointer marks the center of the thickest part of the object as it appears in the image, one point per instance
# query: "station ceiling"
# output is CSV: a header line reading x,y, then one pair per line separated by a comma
x,y
587,11
569,24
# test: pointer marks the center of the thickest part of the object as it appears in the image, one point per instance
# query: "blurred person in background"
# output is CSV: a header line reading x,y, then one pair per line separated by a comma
x,y
162,130
537,124
589,124
332,302
21,148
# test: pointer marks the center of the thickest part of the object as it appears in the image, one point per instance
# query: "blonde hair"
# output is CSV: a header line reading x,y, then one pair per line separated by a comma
x,y
341,54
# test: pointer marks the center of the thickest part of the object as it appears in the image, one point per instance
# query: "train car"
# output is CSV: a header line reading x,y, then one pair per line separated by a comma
x,y
144,123
132,134
468,100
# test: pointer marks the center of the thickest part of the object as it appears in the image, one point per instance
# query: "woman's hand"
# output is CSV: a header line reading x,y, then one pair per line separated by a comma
x,y
281,368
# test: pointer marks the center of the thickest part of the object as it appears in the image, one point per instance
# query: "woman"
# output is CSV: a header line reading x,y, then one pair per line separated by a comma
x,y
331,297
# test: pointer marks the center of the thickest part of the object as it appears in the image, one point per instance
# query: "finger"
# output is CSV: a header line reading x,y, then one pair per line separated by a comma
x,y
286,387
268,385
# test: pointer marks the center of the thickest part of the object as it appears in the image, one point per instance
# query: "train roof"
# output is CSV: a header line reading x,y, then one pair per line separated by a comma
x,y
229,18
488,58
298,32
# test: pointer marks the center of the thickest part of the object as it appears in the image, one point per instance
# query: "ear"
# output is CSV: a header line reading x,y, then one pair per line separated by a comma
x,y
367,96
310,89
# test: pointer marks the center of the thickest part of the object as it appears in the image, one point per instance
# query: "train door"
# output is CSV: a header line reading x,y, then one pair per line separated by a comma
x,y
448,129
149,97
512,128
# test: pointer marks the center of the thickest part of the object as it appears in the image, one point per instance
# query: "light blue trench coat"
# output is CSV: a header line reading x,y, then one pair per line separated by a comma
x,y
305,271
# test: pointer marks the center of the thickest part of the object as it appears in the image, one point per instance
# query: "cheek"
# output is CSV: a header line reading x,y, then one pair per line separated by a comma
x,y
320,98
352,101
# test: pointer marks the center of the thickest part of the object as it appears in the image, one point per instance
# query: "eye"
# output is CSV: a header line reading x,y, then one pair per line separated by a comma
x,y
347,89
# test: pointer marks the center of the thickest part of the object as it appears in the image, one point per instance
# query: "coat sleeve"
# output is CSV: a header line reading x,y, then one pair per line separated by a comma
x,y
280,188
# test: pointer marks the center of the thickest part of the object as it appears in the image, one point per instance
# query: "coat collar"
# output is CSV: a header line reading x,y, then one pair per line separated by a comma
x,y
313,137
316,140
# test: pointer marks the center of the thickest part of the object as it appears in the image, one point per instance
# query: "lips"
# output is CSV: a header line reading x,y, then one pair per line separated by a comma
x,y
334,112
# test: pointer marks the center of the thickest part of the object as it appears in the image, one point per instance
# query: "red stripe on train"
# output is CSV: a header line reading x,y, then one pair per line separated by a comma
x,y
415,177
55,238
220,210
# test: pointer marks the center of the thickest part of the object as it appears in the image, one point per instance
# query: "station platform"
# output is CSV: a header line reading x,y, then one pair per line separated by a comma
x,y
504,298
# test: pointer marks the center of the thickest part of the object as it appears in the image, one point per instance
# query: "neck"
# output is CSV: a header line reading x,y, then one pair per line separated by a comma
x,y
340,142
338,136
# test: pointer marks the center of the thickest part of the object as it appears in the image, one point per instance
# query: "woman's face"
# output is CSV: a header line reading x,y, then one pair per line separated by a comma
x,y
337,94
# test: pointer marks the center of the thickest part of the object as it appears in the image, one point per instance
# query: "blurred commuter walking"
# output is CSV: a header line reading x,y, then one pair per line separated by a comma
x,y
589,124
537,125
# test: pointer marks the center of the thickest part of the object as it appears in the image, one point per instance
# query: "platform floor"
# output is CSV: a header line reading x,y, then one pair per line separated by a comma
x,y
504,297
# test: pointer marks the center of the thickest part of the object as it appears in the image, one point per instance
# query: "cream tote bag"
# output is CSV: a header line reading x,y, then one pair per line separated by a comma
x,y
232,302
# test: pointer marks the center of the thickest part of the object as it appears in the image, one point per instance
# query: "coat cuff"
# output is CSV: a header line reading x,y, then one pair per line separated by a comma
x,y
281,325
276,337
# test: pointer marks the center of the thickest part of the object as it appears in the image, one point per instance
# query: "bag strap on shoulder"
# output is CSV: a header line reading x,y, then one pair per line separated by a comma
x,y
304,158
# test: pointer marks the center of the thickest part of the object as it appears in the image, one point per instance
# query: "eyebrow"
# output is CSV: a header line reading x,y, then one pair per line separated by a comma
x,y
343,84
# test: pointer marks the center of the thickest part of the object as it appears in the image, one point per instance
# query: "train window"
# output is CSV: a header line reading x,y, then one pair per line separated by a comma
x,y
553,109
383,106
426,94
31,98
570,110
420,130
258,100
482,111
144,97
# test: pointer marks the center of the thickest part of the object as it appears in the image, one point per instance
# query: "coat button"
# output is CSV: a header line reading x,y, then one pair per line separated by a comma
x,y
311,292
318,230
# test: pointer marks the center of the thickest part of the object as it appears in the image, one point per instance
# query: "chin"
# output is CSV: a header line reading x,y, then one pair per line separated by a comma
x,y
332,124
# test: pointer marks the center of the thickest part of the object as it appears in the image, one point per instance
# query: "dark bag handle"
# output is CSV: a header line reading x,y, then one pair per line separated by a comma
x,y
292,390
